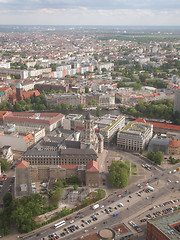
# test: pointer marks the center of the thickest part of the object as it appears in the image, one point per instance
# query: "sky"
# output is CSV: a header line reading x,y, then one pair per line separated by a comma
x,y
91,12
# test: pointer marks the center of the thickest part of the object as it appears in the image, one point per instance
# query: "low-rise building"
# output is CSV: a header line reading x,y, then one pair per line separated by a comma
x,y
49,121
20,138
135,136
168,143
165,227
174,147
71,121
159,143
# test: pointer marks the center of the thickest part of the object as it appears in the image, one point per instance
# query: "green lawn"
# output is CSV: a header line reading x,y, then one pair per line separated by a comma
x,y
133,169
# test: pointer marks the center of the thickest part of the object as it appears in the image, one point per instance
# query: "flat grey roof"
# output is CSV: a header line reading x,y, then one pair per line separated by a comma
x,y
163,224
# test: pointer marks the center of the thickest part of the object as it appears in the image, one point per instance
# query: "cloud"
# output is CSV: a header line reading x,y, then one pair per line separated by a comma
x,y
90,12
85,16
90,4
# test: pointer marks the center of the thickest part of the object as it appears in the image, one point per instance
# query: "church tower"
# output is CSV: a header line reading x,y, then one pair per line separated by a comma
x,y
89,132
19,91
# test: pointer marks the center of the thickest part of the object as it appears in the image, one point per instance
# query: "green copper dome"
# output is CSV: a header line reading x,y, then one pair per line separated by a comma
x,y
19,85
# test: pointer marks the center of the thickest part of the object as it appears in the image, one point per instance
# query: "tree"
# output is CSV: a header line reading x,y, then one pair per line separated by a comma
x,y
65,211
5,165
156,157
75,187
80,106
86,89
118,174
72,180
18,107
7,199
94,102
103,70
98,111
53,66
64,106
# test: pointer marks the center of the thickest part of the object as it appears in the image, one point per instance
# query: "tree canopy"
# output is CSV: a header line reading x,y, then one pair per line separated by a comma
x,y
5,165
156,157
118,174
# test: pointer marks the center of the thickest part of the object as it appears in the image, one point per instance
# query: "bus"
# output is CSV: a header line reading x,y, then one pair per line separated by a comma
x,y
59,224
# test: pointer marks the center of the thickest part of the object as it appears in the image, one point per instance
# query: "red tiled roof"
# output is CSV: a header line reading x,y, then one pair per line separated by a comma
x,y
165,126
174,143
79,128
160,125
140,120
27,117
69,166
3,114
22,164
5,89
28,138
30,93
92,166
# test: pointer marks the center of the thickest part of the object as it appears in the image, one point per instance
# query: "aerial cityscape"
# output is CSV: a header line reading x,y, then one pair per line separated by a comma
x,y
90,120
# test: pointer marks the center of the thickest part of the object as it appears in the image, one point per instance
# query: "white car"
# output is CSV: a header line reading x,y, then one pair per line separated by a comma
x,y
85,230
174,170
102,206
71,221
169,180
169,172
132,223
176,181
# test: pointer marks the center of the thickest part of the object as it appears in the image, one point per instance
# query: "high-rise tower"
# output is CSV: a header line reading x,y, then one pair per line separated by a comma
x,y
177,101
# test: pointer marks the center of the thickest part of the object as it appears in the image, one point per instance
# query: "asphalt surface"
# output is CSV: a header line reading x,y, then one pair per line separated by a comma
x,y
136,204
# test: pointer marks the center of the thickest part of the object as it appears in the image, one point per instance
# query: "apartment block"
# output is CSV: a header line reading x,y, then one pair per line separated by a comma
x,y
109,125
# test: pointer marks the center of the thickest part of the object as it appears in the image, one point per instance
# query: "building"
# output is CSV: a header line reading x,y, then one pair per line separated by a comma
x,y
22,73
20,95
115,232
68,98
92,174
161,127
70,156
109,125
106,100
174,147
20,138
135,136
22,185
177,101
71,121
6,153
165,227
49,121
159,143
26,174
88,135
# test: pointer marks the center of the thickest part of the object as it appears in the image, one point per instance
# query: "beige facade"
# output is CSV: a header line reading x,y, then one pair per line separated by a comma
x,y
135,136
109,125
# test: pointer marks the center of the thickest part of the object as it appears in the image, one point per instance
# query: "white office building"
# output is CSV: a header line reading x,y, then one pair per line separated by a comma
x,y
135,136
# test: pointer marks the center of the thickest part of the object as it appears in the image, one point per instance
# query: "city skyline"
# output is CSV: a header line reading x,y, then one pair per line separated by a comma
x,y
70,12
